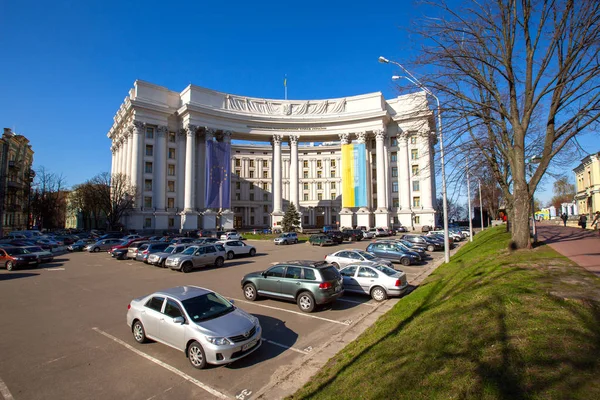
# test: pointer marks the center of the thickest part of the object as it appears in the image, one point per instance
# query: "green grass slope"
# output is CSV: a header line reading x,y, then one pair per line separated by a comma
x,y
491,324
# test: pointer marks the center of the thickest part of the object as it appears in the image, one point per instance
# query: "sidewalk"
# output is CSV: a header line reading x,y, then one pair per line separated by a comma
x,y
581,246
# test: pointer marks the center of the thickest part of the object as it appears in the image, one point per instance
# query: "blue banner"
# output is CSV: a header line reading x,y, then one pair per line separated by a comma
x,y
218,174
360,175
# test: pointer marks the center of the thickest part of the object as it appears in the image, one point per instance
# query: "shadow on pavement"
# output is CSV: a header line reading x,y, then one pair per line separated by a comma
x,y
16,275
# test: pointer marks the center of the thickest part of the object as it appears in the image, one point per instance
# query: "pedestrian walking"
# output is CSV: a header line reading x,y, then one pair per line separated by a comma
x,y
582,221
596,221
564,217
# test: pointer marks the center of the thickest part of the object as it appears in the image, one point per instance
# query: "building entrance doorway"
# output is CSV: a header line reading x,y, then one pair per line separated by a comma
x,y
320,221
237,222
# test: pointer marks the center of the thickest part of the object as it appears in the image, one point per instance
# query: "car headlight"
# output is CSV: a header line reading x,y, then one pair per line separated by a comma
x,y
18,258
219,341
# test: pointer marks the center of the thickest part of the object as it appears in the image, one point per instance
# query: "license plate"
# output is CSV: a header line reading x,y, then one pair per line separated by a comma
x,y
249,345
32,262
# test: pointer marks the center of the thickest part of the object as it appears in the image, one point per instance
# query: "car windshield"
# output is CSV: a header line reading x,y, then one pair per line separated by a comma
x,y
34,249
207,306
189,251
367,256
169,249
16,251
385,269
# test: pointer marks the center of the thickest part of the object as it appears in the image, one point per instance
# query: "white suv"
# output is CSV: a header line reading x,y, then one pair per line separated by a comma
x,y
231,235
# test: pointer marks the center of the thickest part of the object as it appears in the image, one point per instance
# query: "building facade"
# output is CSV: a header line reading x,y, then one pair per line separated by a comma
x,y
587,175
281,151
16,158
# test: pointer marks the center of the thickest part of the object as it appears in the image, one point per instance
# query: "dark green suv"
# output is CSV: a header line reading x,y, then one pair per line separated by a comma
x,y
320,239
308,283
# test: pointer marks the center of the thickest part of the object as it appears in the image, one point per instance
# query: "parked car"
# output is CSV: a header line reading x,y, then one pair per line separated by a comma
x,y
13,257
419,250
353,235
336,236
205,240
414,246
44,256
420,239
286,238
390,251
197,256
341,258
197,321
455,237
308,283
235,248
321,239
230,235
377,280
160,257
103,244
145,250
131,237
112,235
80,244
367,234
180,240
133,248
379,232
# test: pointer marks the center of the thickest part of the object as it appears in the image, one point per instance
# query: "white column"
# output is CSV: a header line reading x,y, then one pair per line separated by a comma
x,y
227,139
294,176
180,173
404,172
136,161
190,160
424,161
124,154
129,159
113,152
277,173
160,168
380,154
388,188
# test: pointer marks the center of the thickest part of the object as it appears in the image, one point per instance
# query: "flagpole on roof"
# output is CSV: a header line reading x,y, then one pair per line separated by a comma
x,y
285,86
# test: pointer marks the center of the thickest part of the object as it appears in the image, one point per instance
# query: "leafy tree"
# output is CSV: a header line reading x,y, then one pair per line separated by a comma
x,y
291,219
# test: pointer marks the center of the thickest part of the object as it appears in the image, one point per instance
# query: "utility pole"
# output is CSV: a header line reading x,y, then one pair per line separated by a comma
x,y
480,205
469,197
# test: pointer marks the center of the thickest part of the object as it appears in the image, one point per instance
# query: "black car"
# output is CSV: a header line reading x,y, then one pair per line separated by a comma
x,y
336,236
353,235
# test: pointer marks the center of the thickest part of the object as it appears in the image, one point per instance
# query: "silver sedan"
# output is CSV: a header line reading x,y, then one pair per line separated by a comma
x,y
341,258
199,322
377,280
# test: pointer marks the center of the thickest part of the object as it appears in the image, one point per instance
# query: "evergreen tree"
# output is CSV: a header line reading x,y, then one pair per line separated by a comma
x,y
291,219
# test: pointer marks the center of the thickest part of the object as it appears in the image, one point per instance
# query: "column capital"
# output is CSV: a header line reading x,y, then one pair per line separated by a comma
x,y
190,129
227,136
294,139
361,137
380,134
137,126
276,140
343,138
161,131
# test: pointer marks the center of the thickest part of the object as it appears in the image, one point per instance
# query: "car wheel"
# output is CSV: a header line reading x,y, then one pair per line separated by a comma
x,y
252,252
10,266
250,292
378,293
321,244
430,247
405,261
230,255
196,355
96,249
306,302
336,265
139,333
187,267
163,264
219,262
285,242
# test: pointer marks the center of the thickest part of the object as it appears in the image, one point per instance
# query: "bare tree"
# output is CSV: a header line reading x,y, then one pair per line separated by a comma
x,y
516,79
564,192
115,196
48,200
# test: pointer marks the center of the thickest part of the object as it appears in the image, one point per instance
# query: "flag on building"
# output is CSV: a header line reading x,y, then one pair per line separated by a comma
x,y
218,174
354,175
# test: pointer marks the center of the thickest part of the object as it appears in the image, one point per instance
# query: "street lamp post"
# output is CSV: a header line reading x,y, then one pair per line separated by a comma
x,y
469,197
480,205
411,78
528,162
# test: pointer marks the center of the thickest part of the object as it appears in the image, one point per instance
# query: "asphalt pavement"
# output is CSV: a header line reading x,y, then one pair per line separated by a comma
x,y
582,246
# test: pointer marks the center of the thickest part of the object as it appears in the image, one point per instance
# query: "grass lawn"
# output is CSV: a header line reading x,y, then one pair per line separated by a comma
x,y
491,324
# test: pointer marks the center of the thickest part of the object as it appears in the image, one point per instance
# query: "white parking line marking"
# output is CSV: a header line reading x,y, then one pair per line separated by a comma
x,y
293,312
164,365
4,391
284,346
54,269
358,302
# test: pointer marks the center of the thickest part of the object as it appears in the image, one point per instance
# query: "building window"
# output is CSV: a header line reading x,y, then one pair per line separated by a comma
x,y
251,163
414,154
319,174
171,153
170,186
265,174
172,137
251,185
265,186
395,187
416,185
305,163
394,172
171,222
265,196
305,186
147,201
415,170
333,173
305,197
413,140
238,186
266,208
237,196
394,156
333,163
394,141
332,185
147,222
417,220
251,196
305,174
319,163
149,133
149,150
238,172
251,174
171,170
265,164
319,196
416,201
148,185
319,186
238,162
170,202
265,220
333,196
395,202
148,168
306,220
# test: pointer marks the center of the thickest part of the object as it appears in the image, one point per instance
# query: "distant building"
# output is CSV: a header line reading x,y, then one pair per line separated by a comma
x,y
569,208
16,158
588,184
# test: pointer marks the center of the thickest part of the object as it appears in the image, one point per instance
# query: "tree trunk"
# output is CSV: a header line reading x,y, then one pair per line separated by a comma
x,y
521,211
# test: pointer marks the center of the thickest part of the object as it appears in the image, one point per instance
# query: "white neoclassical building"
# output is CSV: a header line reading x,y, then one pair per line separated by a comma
x,y
281,151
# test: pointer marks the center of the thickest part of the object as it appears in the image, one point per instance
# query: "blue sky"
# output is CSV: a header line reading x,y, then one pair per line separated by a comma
x,y
68,65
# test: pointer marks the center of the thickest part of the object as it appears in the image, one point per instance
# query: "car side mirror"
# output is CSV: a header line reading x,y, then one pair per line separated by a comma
x,y
232,301
263,274
179,320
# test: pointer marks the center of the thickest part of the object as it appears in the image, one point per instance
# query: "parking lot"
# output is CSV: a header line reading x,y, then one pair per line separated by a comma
x,y
64,334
